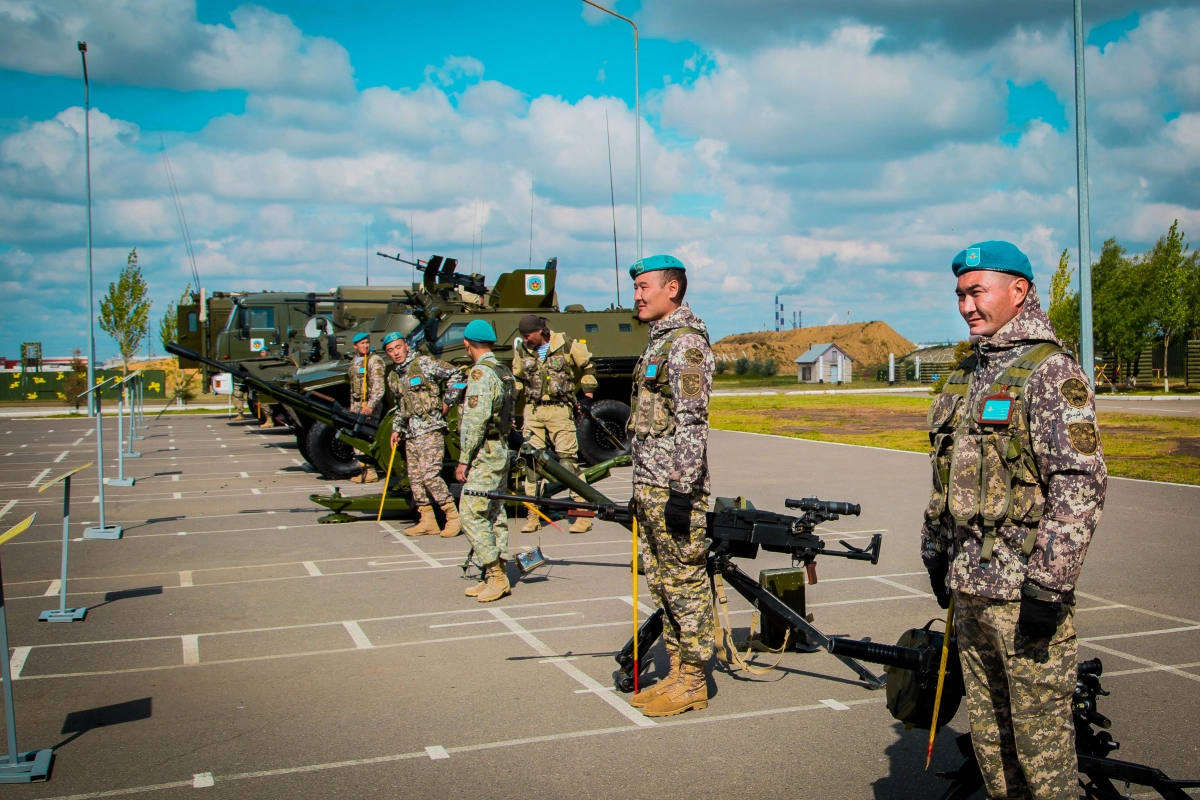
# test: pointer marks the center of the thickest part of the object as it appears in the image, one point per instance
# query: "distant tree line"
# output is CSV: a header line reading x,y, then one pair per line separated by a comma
x,y
745,366
1137,301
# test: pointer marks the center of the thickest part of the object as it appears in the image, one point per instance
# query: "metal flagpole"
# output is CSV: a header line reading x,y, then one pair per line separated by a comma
x,y
1086,354
87,149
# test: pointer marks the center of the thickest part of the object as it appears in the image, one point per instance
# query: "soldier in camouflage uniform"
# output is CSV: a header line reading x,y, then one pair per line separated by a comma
x,y
486,419
1018,484
669,426
548,367
423,389
366,390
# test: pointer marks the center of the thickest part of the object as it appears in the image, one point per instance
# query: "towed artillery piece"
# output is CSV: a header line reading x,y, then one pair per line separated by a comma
x,y
371,437
433,316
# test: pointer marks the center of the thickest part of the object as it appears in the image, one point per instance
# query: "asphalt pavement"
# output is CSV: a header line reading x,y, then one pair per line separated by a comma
x,y
235,646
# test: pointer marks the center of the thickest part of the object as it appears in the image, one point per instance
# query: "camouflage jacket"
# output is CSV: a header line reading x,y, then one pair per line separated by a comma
x,y
1034,485
568,364
417,389
669,420
487,410
366,381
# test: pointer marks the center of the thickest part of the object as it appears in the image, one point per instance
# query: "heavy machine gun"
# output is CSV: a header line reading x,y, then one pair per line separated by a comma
x,y
912,667
440,272
738,530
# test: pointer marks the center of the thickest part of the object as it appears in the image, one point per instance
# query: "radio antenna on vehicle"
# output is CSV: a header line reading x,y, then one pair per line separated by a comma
x,y
613,199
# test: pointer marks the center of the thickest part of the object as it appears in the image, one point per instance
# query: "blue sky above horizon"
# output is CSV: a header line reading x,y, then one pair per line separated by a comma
x,y
840,159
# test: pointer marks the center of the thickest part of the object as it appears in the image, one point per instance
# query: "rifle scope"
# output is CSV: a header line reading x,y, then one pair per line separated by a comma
x,y
824,506
910,658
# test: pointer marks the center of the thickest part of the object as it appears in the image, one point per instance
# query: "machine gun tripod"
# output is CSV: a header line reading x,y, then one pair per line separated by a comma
x,y
737,530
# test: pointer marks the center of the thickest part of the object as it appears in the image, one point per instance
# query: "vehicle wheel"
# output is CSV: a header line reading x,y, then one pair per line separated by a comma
x,y
594,444
331,457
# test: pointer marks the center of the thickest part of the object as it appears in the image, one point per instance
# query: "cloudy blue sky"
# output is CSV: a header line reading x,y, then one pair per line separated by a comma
x,y
838,153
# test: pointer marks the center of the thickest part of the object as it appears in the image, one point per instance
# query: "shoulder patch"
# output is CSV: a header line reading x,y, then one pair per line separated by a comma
x,y
1074,391
1083,437
473,401
693,356
691,382
476,375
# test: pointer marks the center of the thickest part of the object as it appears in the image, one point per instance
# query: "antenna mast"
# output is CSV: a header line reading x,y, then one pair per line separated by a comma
x,y
613,199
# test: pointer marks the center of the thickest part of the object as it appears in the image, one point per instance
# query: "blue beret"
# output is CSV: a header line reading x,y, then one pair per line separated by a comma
x,y
655,263
480,331
995,256
394,336
358,337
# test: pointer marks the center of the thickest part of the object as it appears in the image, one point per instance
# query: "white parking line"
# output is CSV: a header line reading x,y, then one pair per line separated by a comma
x,y
18,660
53,588
357,635
312,568
33,483
407,542
587,681
185,577
835,705
202,780
61,456
7,507
191,650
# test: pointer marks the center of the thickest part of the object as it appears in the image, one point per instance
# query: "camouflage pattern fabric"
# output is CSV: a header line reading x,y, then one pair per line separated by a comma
x,y
552,425
419,409
670,410
484,521
676,575
553,380
366,383
424,454
1019,700
1046,480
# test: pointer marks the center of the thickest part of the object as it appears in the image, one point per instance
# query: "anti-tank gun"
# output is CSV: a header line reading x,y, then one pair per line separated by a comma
x,y
737,530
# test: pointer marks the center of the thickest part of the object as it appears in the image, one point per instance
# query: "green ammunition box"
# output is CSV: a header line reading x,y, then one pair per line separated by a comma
x,y
788,586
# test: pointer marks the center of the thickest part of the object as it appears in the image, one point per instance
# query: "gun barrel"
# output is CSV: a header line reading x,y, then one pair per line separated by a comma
x,y
826,506
910,658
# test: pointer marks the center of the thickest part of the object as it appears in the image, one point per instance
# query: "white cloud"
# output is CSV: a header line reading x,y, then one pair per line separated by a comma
x,y
160,43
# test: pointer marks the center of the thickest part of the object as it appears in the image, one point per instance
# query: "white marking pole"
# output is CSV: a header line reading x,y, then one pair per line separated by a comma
x,y
357,635
191,649
33,484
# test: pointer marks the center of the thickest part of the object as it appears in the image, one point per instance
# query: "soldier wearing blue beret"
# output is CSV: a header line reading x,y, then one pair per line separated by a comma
x,y
1018,484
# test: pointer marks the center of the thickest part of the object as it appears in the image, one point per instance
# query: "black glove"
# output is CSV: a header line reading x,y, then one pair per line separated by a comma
x,y
679,513
1038,618
937,581
585,403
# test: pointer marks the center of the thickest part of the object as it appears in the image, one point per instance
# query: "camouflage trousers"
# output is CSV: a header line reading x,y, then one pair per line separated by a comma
x,y
551,425
483,520
676,575
1019,694
424,455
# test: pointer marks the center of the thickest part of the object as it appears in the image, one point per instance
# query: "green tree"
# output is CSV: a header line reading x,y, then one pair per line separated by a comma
x,y
75,382
125,309
168,326
1168,263
1064,304
1120,308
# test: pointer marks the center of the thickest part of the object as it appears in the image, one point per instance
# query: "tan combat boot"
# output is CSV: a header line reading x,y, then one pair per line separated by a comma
x,y
581,525
646,696
497,585
689,692
427,526
478,588
533,523
269,422
453,523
